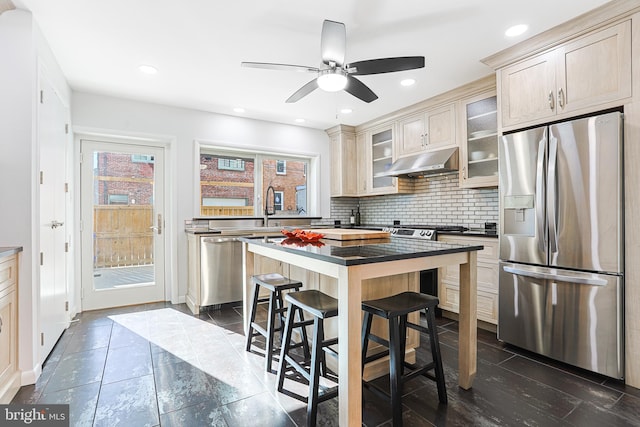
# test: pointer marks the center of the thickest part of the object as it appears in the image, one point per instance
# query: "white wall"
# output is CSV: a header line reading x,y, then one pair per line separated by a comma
x,y
22,51
122,117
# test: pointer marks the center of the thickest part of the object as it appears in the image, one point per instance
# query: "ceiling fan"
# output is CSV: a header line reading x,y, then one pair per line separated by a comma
x,y
335,74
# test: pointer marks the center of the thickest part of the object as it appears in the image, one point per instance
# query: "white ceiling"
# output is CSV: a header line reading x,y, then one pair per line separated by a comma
x,y
197,46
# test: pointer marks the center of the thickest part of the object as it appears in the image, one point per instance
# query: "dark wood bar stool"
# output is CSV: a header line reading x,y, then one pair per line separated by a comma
x,y
396,308
321,306
275,283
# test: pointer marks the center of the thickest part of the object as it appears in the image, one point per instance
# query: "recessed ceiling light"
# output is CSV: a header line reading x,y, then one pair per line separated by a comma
x,y
516,30
147,69
408,82
300,120
239,110
346,111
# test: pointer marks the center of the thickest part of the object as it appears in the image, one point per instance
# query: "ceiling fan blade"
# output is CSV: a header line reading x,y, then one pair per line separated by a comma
x,y
6,5
283,67
303,91
358,89
333,42
386,65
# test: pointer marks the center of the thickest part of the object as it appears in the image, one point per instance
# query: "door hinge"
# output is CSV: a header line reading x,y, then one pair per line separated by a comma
x,y
81,157
66,128
66,187
41,338
66,246
41,97
41,258
81,225
41,177
66,306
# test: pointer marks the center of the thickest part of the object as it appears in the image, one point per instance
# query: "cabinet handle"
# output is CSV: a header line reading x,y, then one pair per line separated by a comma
x,y
561,98
551,103
464,172
422,141
0,324
426,139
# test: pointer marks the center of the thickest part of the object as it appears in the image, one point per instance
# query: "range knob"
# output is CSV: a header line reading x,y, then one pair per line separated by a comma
x,y
423,233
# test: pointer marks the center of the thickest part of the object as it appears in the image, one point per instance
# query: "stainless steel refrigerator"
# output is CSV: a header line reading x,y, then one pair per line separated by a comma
x,y
562,242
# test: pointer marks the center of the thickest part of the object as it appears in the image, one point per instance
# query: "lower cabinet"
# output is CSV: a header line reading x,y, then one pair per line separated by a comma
x,y
449,278
9,374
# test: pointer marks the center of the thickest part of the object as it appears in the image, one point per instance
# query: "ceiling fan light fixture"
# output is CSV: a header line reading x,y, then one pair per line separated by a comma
x,y
332,80
147,69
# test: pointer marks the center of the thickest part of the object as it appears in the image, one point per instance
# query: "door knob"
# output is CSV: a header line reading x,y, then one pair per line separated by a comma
x,y
56,224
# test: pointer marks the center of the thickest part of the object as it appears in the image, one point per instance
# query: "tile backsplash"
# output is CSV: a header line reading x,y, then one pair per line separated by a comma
x,y
437,200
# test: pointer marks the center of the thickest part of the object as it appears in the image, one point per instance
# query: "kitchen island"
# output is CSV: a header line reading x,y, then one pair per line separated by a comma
x,y
354,262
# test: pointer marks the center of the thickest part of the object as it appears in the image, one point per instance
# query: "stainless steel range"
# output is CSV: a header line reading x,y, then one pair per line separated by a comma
x,y
424,232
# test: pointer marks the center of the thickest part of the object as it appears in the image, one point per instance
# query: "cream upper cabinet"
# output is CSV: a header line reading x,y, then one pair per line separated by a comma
x,y
379,153
479,140
344,171
426,131
362,163
591,71
375,155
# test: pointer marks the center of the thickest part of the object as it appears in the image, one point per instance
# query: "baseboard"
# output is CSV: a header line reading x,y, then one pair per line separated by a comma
x,y
30,377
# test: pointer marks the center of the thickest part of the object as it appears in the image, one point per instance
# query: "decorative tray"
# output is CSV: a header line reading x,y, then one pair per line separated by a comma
x,y
302,235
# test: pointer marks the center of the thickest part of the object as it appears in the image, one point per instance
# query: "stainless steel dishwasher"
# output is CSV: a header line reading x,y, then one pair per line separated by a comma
x,y
221,270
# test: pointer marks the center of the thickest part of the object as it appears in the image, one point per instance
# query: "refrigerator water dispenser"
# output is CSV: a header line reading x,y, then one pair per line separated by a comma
x,y
519,215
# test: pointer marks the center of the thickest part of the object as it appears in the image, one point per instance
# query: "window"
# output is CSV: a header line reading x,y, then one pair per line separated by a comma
x,y
235,183
231,164
278,198
118,199
142,158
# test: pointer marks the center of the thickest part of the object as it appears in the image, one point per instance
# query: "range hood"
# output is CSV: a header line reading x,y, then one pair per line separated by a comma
x,y
430,163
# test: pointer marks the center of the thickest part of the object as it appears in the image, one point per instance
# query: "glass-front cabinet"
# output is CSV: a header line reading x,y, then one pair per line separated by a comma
x,y
479,155
381,158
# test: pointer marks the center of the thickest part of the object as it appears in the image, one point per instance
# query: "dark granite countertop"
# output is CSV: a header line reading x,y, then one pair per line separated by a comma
x,y
9,250
356,252
475,232
200,231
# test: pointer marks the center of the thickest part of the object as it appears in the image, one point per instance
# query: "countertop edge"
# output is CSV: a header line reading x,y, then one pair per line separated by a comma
x,y
361,261
6,251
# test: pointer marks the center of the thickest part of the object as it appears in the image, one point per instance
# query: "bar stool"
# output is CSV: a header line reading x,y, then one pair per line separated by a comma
x,y
396,308
321,306
275,283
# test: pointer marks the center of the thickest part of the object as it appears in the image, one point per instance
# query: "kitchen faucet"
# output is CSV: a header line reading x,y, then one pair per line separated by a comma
x,y
266,205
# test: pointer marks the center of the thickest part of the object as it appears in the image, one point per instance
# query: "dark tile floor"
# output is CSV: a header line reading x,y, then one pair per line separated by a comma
x,y
111,376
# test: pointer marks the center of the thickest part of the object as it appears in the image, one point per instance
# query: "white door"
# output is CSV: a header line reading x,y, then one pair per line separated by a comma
x,y
122,213
52,140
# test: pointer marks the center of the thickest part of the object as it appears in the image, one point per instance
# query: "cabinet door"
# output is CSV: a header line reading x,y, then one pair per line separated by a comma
x,y
362,163
487,275
479,141
528,90
380,155
440,129
411,134
343,158
595,69
8,347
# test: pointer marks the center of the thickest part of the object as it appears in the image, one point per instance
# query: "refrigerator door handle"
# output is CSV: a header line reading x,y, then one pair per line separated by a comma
x,y
584,279
542,236
551,194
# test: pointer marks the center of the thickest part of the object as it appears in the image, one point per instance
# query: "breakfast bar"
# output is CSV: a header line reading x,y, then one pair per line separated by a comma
x,y
351,263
